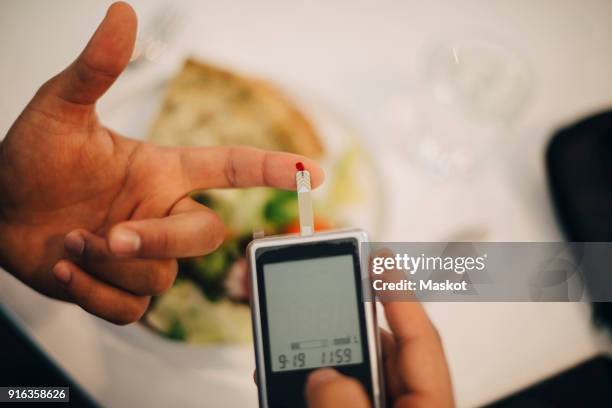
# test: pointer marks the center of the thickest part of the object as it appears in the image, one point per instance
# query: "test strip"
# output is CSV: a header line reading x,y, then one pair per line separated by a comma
x,y
302,181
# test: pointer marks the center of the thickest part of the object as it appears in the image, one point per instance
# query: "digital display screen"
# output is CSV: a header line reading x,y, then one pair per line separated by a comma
x,y
313,313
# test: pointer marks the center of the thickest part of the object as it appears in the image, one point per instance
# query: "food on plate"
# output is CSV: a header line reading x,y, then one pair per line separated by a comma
x,y
206,106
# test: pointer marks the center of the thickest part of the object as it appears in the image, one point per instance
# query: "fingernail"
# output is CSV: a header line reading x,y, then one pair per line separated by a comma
x,y
124,241
321,376
74,244
62,273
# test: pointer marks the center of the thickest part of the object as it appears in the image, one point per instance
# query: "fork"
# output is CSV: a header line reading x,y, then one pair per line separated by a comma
x,y
155,35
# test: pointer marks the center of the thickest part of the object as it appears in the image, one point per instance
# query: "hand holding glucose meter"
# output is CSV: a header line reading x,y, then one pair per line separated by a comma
x,y
308,309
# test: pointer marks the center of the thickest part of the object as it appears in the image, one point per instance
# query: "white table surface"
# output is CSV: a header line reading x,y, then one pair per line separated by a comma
x,y
360,57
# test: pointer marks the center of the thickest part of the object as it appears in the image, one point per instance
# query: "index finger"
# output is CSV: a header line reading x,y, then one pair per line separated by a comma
x,y
241,166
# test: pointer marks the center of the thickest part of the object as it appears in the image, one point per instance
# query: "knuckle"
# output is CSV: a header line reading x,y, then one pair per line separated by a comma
x,y
164,242
231,173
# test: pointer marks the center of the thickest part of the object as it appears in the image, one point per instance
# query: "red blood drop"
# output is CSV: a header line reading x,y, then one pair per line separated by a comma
x,y
299,166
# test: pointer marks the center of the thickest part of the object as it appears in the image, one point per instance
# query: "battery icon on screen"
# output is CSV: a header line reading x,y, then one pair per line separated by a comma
x,y
309,344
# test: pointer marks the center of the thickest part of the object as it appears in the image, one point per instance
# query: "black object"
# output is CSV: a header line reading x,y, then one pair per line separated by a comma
x,y
579,164
286,389
586,385
23,364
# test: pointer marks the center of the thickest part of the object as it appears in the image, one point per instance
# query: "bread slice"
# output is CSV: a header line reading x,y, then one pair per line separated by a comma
x,y
207,106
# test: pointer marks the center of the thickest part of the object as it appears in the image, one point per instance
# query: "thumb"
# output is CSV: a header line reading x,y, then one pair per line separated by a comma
x,y
103,59
327,388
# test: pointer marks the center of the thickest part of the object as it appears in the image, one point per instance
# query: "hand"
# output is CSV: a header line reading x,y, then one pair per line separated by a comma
x,y
416,374
95,218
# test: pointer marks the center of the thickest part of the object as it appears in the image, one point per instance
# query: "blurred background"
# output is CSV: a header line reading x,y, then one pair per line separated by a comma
x,y
433,119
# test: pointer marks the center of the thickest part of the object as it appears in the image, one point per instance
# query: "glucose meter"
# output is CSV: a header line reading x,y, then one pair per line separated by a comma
x,y
309,311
